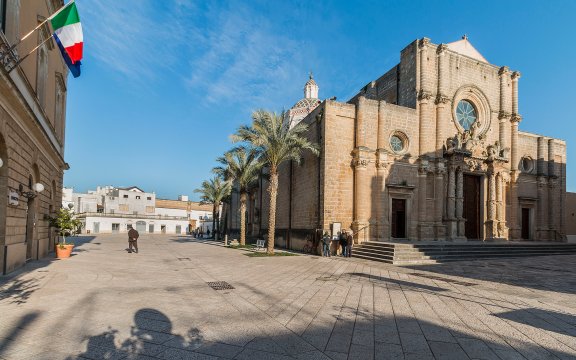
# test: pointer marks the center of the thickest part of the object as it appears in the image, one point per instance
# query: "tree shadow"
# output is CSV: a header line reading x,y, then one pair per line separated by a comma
x,y
18,291
558,322
7,340
407,284
549,273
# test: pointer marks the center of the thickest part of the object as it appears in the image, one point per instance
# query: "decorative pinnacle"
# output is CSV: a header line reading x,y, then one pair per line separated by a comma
x,y
465,37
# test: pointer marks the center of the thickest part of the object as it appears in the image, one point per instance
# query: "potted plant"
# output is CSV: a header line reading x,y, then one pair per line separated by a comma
x,y
65,223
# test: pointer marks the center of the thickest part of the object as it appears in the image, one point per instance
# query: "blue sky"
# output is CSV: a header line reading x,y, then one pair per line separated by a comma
x,y
164,83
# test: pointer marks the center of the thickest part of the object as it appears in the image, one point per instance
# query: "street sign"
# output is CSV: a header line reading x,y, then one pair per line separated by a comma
x,y
13,198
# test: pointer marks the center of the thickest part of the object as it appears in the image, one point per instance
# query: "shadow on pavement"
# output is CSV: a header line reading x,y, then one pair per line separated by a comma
x,y
351,334
549,273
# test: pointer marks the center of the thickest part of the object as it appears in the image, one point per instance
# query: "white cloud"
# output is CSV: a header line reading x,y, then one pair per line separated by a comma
x,y
241,58
223,52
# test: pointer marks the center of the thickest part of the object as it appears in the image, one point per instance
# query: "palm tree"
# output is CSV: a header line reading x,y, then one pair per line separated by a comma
x,y
240,165
213,191
275,143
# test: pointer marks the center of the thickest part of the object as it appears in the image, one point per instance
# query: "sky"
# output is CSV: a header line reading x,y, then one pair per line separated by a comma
x,y
164,83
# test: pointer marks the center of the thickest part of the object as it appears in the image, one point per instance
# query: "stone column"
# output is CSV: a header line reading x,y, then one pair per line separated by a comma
x,y
441,100
501,207
362,202
504,113
514,172
427,125
491,222
542,208
422,200
382,167
424,228
515,77
553,200
360,125
451,203
439,228
460,203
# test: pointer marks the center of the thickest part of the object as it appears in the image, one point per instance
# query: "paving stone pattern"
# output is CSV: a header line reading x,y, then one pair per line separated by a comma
x,y
104,303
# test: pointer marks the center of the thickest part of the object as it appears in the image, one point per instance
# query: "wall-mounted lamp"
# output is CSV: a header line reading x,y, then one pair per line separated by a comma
x,y
34,191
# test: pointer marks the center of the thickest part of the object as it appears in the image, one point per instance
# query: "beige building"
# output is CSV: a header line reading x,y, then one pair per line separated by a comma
x,y
32,123
431,150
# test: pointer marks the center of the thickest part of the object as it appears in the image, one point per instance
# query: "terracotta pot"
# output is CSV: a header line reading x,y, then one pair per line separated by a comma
x,y
63,252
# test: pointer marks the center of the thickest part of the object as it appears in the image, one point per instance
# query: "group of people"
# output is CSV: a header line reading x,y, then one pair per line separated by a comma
x,y
345,242
199,233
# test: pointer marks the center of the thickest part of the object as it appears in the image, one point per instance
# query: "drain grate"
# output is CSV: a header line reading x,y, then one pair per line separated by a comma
x,y
463,283
220,285
183,259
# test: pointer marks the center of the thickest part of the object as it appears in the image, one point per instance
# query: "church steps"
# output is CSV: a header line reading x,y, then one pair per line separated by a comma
x,y
403,254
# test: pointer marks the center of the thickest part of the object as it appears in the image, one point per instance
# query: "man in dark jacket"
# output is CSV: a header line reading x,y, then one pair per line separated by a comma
x,y
133,240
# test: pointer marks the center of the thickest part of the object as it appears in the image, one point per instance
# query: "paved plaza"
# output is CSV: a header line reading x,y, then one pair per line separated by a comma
x,y
104,303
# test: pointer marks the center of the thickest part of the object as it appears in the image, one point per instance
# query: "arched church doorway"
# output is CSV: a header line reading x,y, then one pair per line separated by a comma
x,y
472,207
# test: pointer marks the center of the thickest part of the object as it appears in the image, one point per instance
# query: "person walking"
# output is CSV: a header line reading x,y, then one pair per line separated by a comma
x,y
343,242
326,244
350,243
133,240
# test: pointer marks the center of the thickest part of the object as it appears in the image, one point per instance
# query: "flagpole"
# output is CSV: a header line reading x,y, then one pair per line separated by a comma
x,y
30,53
37,27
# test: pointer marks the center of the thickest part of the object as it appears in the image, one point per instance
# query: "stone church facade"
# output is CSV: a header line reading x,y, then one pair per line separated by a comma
x,y
431,150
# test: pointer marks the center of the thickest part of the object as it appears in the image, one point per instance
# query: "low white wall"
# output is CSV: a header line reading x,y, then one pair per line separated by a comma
x,y
105,225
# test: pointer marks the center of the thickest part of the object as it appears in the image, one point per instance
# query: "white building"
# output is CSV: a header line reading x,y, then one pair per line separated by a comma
x,y
110,209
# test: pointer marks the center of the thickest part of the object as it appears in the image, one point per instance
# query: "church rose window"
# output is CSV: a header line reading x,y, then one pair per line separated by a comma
x,y
396,143
526,164
466,114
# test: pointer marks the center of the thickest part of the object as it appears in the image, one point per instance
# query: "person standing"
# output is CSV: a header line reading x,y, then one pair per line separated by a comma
x,y
350,243
133,240
343,242
326,244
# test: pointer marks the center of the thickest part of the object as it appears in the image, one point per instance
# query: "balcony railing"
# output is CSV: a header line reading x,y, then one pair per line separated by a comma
x,y
130,216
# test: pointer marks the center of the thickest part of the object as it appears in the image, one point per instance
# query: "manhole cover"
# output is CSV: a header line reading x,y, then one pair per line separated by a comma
x,y
220,285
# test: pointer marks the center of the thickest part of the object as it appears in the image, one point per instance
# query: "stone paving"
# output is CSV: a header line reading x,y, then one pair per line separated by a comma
x,y
104,303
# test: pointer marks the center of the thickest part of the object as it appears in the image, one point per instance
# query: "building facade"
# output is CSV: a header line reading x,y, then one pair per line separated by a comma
x,y
110,209
431,150
32,123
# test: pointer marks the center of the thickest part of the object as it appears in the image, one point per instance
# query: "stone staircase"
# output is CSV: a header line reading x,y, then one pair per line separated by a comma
x,y
435,252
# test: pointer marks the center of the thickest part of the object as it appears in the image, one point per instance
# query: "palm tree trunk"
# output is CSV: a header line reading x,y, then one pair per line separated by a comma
x,y
273,191
243,219
217,229
213,218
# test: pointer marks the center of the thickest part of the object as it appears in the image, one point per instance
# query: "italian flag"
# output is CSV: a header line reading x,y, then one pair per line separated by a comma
x,y
68,36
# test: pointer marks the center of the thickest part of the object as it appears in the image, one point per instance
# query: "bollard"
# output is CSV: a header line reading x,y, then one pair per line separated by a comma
x,y
226,240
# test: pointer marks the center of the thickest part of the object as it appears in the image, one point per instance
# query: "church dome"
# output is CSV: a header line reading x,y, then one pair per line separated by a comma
x,y
306,103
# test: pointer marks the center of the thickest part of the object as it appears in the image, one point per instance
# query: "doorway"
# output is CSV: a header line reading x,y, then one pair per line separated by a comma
x,y
96,227
526,223
472,207
398,218
141,226
151,228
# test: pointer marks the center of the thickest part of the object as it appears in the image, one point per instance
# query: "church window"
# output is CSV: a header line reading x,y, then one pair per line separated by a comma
x,y
398,142
466,114
526,164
